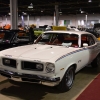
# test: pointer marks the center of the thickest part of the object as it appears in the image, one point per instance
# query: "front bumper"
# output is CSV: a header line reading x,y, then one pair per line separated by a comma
x,y
30,77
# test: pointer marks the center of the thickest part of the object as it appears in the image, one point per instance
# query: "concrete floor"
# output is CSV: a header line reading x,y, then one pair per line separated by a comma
x,y
28,91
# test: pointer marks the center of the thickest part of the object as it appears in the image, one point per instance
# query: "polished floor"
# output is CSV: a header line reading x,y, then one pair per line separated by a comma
x,y
30,91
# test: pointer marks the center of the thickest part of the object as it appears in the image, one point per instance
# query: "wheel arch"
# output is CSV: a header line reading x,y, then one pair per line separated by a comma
x,y
74,65
62,85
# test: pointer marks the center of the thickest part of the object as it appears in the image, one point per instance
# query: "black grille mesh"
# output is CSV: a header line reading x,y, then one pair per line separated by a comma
x,y
30,66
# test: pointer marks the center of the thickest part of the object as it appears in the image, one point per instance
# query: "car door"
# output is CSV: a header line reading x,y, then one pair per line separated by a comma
x,y
93,46
87,53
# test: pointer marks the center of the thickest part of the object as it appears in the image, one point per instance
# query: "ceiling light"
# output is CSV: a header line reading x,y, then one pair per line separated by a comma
x,y
30,6
82,11
89,0
41,10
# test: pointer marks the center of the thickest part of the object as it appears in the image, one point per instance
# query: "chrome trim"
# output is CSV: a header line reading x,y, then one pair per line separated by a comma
x,y
10,74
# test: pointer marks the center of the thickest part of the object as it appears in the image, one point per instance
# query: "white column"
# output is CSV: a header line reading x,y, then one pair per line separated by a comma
x,y
56,14
54,20
86,20
28,20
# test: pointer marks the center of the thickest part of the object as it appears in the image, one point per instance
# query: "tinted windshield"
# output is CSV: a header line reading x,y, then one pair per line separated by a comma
x,y
6,36
58,39
13,36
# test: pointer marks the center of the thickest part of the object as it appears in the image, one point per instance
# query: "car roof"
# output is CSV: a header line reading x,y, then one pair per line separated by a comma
x,y
75,32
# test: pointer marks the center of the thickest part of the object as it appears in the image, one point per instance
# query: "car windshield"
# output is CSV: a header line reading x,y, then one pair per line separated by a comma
x,y
6,35
63,39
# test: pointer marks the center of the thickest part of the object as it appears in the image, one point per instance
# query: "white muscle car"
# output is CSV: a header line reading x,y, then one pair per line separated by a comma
x,y
53,59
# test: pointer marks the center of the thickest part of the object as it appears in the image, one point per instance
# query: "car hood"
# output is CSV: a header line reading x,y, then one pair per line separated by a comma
x,y
38,51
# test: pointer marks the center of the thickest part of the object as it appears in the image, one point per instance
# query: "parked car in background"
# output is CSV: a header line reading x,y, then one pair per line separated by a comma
x,y
53,59
95,30
13,38
72,28
39,31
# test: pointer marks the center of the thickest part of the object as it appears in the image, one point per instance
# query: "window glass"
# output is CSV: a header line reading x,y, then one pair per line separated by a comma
x,y
91,40
87,39
21,37
59,39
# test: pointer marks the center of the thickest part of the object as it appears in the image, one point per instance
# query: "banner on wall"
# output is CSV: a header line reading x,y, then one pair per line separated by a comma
x,y
61,23
22,17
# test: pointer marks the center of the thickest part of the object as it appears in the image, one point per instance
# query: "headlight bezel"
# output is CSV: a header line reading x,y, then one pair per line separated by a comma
x,y
50,68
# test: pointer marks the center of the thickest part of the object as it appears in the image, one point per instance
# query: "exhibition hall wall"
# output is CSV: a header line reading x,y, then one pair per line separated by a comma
x,y
73,20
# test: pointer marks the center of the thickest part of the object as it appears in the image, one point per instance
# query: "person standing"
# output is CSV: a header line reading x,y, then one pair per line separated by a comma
x,y
31,34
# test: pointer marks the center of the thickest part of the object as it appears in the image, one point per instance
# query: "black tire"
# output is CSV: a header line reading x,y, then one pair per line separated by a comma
x,y
67,81
96,62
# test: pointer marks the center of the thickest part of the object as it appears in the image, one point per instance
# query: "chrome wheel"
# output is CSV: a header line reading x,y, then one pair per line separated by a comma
x,y
69,77
67,81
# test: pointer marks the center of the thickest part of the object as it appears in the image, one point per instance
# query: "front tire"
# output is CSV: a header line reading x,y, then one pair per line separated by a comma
x,y
67,81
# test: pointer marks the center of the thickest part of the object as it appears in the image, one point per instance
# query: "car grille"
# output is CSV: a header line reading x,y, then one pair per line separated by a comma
x,y
9,62
31,66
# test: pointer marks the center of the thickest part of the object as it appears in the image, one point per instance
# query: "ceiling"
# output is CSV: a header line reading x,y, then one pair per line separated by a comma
x,y
46,7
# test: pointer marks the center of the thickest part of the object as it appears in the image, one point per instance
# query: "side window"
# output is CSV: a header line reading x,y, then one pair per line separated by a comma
x,y
21,37
84,39
45,38
87,39
2,35
91,40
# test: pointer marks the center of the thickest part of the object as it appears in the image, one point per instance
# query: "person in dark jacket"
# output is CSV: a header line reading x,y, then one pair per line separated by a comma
x,y
31,34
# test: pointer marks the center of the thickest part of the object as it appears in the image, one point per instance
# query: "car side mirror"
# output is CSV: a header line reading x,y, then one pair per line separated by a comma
x,y
85,45
34,41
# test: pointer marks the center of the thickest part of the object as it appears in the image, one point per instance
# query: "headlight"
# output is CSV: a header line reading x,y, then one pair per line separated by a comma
x,y
39,66
50,68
